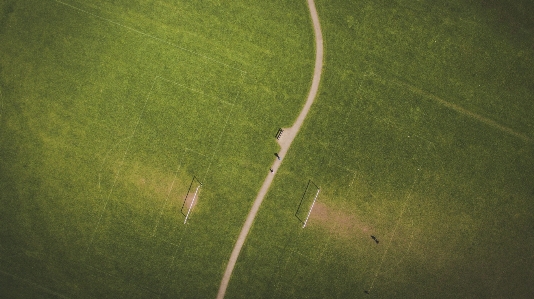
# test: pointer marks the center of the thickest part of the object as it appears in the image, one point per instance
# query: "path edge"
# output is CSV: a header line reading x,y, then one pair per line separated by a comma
x,y
319,53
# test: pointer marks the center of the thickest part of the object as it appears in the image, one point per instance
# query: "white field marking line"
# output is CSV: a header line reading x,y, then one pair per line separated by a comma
x,y
404,255
195,90
409,247
351,182
304,256
36,285
311,208
120,167
220,137
186,149
168,242
465,112
105,158
135,286
1,103
314,88
151,36
191,204
387,248
216,148
354,173
165,202
325,247
173,258
224,126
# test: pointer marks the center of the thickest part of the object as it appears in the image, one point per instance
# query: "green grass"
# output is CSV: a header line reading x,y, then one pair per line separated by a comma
x,y
109,108
448,196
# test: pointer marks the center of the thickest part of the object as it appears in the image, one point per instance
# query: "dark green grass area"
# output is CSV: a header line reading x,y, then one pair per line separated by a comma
x,y
448,195
421,136
108,110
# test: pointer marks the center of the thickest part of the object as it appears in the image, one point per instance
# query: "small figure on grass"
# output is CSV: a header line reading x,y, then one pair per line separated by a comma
x,y
374,238
276,154
367,292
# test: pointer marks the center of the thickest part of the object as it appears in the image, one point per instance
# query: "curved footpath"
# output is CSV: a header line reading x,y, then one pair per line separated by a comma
x,y
285,142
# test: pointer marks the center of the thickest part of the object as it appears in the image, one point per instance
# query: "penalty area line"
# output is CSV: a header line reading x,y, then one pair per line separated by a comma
x,y
200,92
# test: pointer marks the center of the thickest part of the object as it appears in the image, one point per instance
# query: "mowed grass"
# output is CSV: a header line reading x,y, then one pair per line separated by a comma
x,y
108,111
423,137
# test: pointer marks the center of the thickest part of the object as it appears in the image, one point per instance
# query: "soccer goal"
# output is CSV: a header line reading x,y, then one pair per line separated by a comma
x,y
311,193
190,198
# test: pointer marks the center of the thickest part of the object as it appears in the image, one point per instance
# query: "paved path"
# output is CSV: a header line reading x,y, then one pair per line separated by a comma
x,y
285,142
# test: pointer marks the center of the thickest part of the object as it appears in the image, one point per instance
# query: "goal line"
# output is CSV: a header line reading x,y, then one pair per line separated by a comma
x,y
305,200
188,198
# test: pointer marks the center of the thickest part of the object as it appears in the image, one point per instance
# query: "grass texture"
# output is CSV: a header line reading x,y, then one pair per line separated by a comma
x,y
422,136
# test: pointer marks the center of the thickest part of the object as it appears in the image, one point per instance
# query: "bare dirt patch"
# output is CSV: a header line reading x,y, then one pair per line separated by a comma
x,y
338,222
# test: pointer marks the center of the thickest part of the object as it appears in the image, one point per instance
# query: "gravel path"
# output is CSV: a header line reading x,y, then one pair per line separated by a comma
x,y
285,142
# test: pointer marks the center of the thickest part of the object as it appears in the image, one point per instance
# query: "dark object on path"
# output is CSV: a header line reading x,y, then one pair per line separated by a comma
x,y
279,133
276,154
374,238
272,170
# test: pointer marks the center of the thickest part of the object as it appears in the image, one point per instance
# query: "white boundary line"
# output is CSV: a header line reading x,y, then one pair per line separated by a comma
x,y
408,197
166,200
149,36
164,282
459,109
389,245
232,105
283,265
106,157
195,90
191,204
120,167
311,208
1,104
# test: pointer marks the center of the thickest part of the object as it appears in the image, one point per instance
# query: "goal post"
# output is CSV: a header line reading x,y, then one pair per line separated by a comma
x,y
307,201
190,198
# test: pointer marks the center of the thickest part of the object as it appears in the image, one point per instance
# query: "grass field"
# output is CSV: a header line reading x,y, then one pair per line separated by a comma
x,y
422,136
109,109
